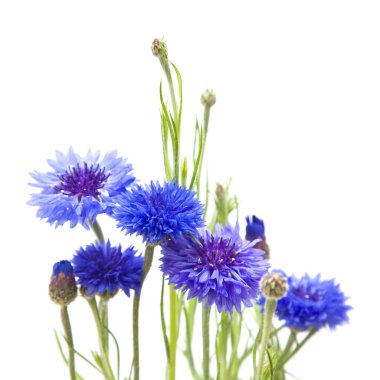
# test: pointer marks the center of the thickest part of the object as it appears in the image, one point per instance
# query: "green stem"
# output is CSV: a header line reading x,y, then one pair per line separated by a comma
x,y
206,118
136,352
189,312
236,325
103,313
106,366
163,322
284,359
148,258
176,144
175,134
206,341
173,300
95,227
270,307
222,346
199,164
166,67
289,344
69,338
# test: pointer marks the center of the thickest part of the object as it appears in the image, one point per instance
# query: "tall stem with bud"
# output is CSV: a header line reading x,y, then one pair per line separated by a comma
x,y
274,286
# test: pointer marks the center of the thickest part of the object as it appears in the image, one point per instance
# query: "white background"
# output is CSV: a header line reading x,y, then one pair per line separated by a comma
x,y
295,124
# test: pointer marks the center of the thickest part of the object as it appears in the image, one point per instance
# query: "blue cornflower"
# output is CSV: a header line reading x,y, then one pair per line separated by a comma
x,y
255,229
159,212
311,303
102,268
78,189
219,268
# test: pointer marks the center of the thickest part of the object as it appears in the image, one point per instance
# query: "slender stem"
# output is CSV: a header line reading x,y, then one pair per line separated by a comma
x,y
166,67
189,311
177,121
236,325
69,338
206,341
163,323
289,344
136,353
206,118
173,301
148,258
222,346
95,227
270,307
103,312
283,360
108,373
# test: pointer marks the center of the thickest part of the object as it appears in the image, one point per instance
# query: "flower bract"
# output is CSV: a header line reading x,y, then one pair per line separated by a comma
x,y
159,212
80,188
104,269
219,268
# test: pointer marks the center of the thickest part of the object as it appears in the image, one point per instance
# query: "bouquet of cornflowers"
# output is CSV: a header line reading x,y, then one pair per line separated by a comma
x,y
209,266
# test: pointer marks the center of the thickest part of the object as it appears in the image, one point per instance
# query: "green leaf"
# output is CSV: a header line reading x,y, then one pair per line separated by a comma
x,y
207,196
117,352
163,323
60,347
184,172
78,376
167,119
255,347
98,360
198,159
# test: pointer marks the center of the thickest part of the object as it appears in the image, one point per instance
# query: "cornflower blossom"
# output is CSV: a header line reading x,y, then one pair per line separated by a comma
x,y
104,269
80,188
219,268
159,212
311,304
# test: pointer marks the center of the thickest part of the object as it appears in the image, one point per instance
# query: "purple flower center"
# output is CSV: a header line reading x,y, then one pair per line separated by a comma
x,y
217,253
82,181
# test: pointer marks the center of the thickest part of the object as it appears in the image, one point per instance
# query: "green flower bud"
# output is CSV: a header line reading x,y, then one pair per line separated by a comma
x,y
159,49
208,98
274,286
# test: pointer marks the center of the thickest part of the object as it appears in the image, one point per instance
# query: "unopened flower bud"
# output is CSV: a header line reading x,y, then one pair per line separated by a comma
x,y
274,286
255,229
208,98
220,192
62,287
159,49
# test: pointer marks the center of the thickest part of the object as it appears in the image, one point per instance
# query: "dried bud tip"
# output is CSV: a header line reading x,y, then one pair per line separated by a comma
x,y
220,191
208,98
274,286
159,48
